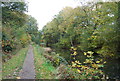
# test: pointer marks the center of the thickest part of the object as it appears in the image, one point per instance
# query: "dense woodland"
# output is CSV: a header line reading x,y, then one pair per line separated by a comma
x,y
18,28
87,37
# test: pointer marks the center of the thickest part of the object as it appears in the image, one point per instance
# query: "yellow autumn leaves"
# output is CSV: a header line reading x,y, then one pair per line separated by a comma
x,y
88,54
17,77
92,37
75,53
74,50
75,64
93,65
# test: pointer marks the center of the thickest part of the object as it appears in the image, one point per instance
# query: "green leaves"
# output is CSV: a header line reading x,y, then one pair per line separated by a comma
x,y
92,27
15,24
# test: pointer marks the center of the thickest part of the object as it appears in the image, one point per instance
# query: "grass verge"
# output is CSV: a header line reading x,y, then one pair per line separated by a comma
x,y
11,68
43,67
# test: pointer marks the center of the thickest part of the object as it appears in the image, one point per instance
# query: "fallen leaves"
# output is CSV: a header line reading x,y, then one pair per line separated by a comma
x,y
17,77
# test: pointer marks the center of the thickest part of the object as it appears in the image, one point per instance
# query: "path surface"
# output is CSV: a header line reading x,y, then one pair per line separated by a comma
x,y
28,71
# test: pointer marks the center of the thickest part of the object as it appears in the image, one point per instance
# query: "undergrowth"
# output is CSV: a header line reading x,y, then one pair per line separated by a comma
x,y
11,68
43,67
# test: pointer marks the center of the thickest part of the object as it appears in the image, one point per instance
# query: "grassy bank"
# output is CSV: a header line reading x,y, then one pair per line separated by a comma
x,y
43,67
11,68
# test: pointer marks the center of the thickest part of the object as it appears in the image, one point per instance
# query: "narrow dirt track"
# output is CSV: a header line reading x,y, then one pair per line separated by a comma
x,y
28,71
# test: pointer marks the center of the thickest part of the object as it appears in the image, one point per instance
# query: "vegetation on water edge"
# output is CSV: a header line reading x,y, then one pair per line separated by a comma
x,y
85,41
52,66
92,27
89,69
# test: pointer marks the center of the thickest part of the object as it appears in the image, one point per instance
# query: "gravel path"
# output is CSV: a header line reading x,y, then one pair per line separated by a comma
x,y
28,71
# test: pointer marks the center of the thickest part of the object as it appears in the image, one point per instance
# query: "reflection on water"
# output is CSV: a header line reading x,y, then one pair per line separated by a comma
x,y
112,68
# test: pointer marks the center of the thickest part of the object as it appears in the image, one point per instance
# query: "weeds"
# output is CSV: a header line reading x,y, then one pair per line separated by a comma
x,y
11,68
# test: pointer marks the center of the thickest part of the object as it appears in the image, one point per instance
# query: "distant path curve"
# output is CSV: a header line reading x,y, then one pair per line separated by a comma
x,y
28,69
